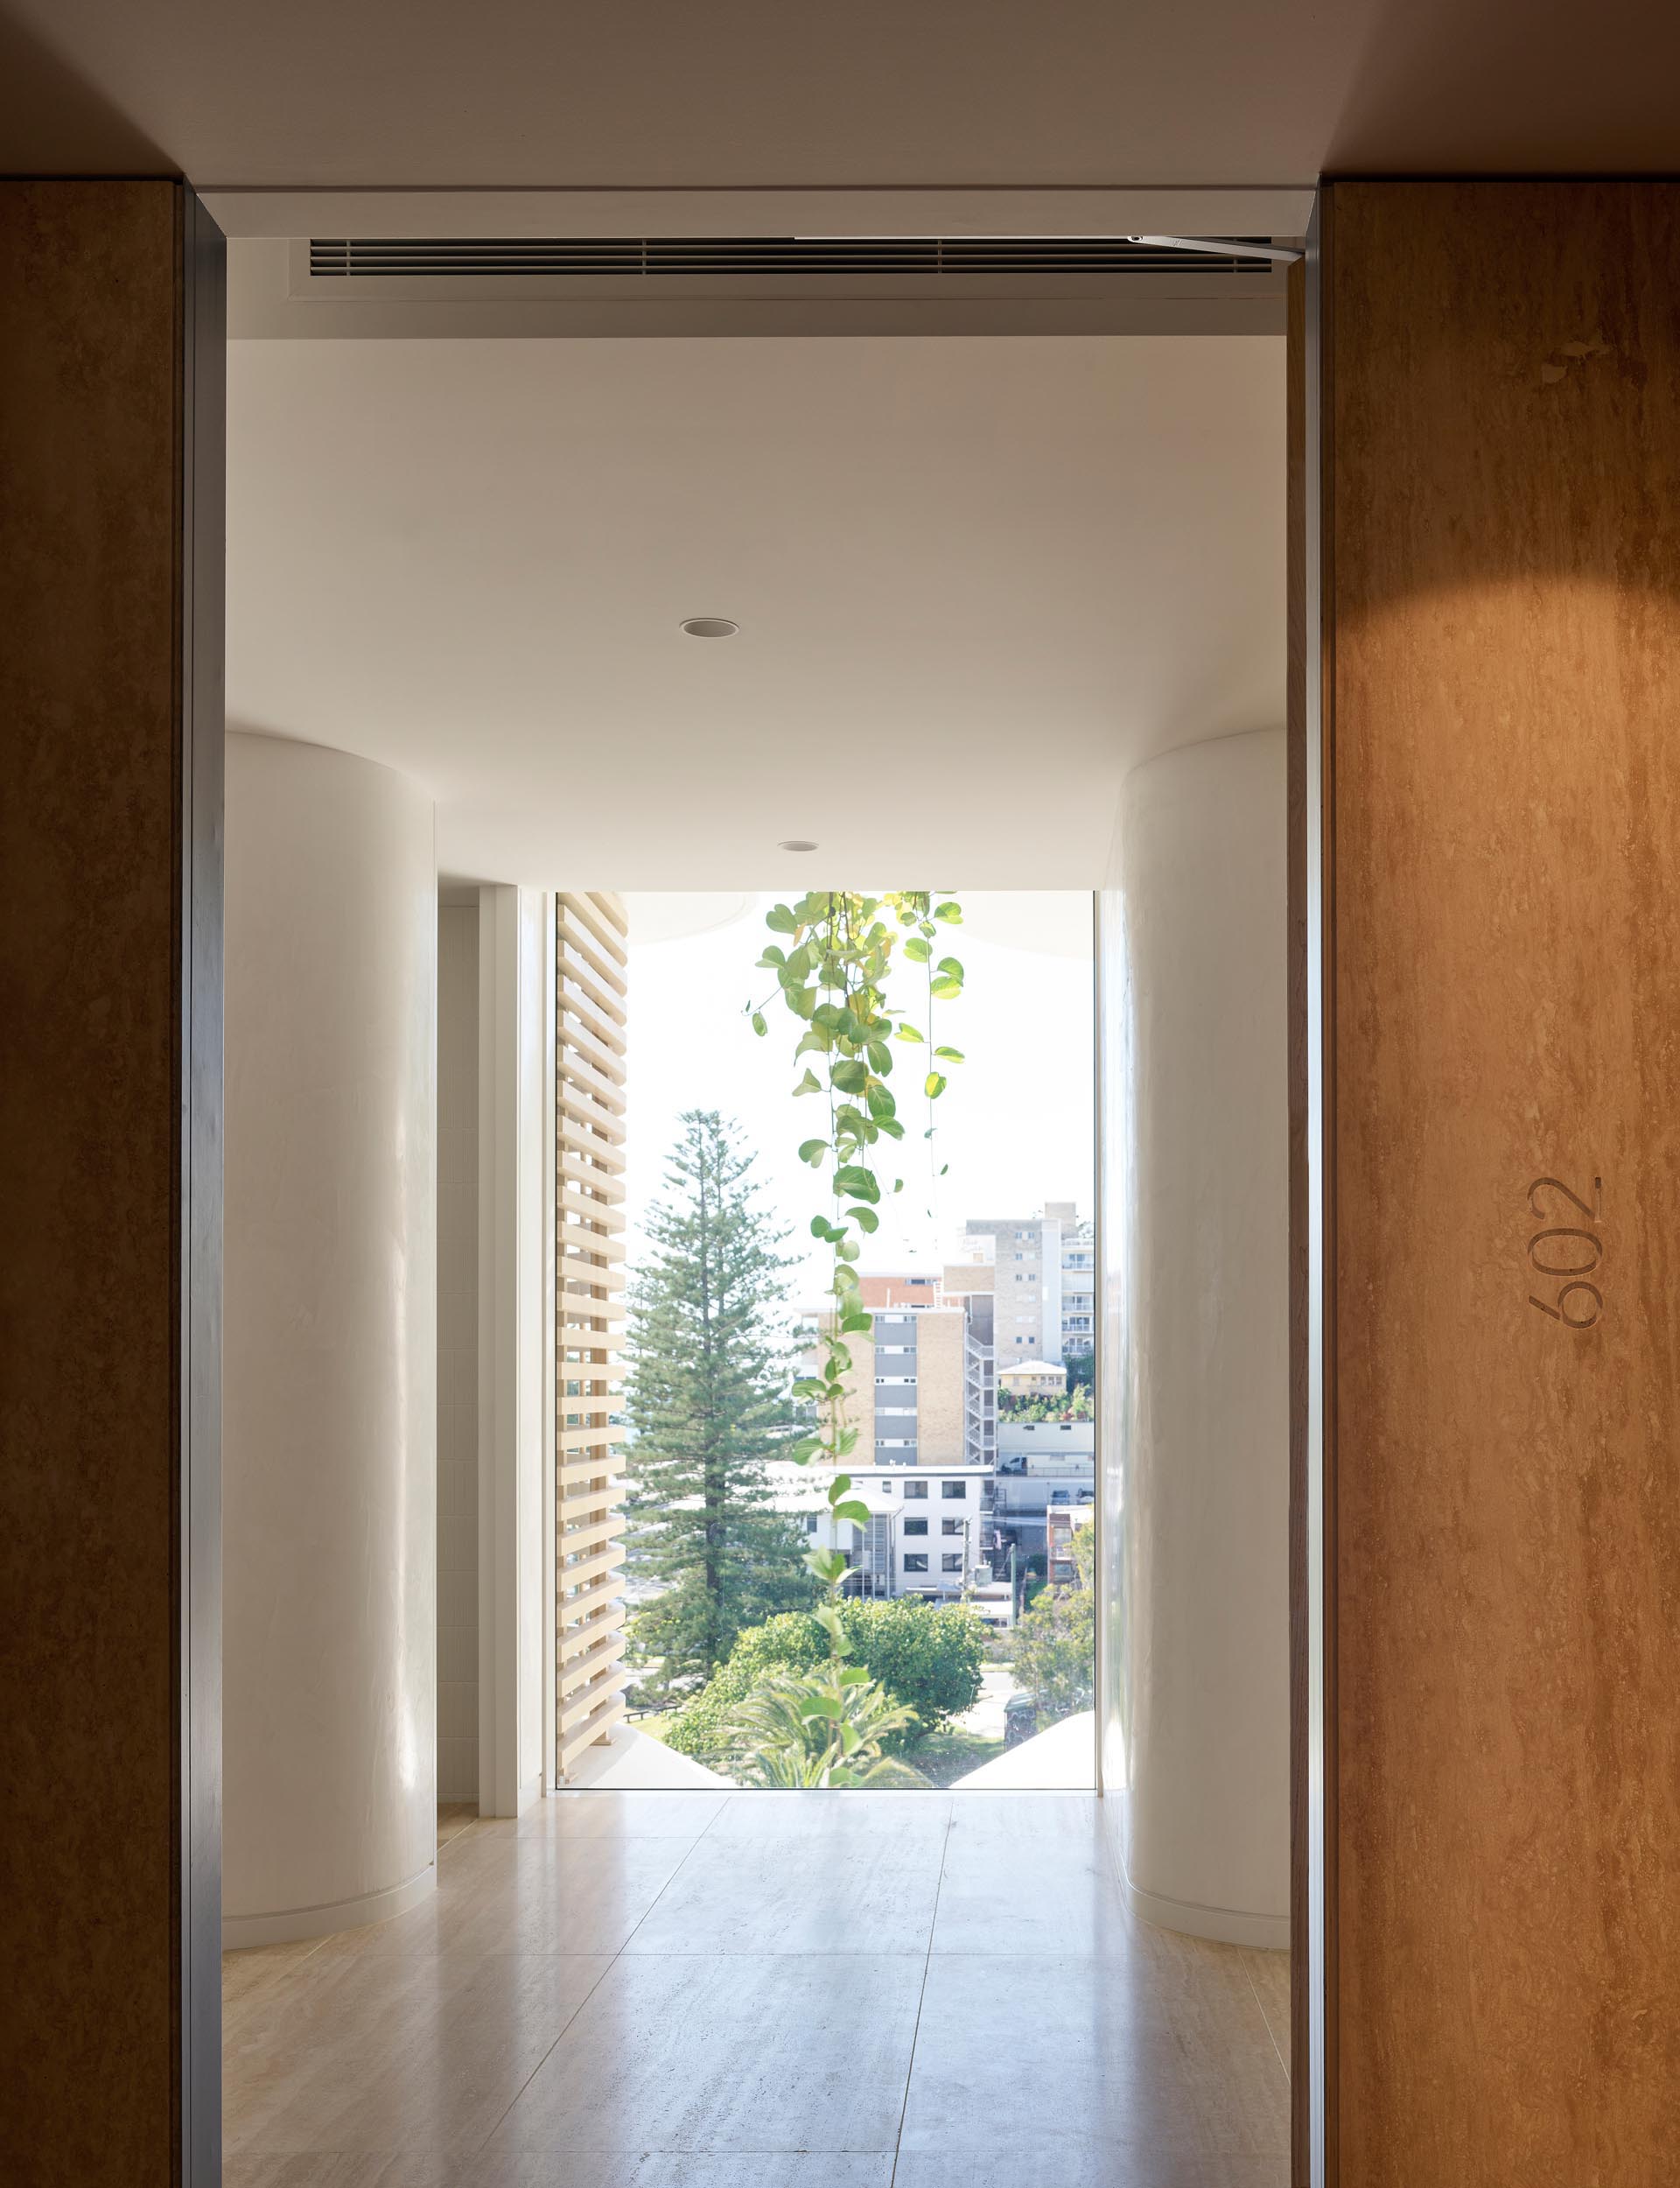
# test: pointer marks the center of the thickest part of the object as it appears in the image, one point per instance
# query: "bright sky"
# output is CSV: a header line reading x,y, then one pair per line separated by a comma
x,y
1014,1125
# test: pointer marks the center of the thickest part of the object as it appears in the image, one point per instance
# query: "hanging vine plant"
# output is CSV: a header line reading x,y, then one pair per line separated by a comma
x,y
832,961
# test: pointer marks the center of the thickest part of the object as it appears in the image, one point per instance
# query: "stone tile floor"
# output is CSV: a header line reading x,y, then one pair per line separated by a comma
x,y
762,1990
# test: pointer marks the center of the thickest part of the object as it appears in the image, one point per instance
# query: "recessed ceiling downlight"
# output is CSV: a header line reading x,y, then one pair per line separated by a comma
x,y
709,626
796,843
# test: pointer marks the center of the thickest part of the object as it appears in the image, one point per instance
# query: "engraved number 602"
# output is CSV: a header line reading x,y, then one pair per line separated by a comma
x,y
1570,1251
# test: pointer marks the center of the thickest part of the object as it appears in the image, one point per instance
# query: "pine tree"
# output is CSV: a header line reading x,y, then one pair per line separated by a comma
x,y
709,1401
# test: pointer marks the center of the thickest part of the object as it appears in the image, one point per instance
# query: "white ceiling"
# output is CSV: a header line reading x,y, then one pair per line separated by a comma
x,y
977,581
784,93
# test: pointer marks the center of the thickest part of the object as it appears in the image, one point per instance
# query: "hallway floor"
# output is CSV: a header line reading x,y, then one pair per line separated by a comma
x,y
762,1990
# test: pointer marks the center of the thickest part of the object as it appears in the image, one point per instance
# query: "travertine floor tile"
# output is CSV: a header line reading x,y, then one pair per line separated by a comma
x,y
798,1893
729,2053
762,1991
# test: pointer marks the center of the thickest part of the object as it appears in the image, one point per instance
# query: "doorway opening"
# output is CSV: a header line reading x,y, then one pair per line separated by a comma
x,y
978,588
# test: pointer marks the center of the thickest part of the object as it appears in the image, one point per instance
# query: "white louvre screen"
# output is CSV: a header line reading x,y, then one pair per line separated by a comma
x,y
589,969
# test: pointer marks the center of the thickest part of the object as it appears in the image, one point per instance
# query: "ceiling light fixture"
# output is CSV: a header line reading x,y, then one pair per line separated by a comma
x,y
709,626
796,843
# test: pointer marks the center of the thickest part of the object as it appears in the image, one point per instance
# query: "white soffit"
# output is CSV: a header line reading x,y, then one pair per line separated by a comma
x,y
1004,211
977,580
274,295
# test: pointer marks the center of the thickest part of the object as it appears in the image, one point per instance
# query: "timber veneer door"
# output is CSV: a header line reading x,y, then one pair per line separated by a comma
x,y
112,362
1498,391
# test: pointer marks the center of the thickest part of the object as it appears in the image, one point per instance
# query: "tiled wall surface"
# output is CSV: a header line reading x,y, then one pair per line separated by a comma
x,y
457,1352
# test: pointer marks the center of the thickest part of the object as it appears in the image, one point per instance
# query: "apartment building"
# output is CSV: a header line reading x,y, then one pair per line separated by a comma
x,y
1078,1277
898,1288
1026,1258
926,1531
922,1395
919,1385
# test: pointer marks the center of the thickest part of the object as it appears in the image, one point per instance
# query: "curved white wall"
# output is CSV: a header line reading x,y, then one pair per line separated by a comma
x,y
1203,1376
329,1623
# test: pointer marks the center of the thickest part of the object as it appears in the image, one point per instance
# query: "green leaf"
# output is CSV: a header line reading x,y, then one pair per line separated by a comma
x,y
838,1486
944,989
951,966
852,1178
881,1104
802,1000
816,1039
891,1127
954,1054
865,1218
805,1450
758,1025
850,1075
810,1083
916,948
951,913
780,920
812,1151
845,1442
852,1509
898,1185
821,1228
828,1618
933,1085
943,1168
907,1032
880,1058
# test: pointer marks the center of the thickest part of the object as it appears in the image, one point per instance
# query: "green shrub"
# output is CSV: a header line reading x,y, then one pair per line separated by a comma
x,y
827,1728
928,1659
1056,1653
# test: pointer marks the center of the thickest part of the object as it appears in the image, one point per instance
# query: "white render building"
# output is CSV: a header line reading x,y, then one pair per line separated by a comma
x,y
924,1536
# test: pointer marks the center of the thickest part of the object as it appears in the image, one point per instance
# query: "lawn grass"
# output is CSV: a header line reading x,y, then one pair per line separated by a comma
x,y
943,1756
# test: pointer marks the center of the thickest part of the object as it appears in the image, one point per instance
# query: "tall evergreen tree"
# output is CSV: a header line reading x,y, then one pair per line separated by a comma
x,y
709,1401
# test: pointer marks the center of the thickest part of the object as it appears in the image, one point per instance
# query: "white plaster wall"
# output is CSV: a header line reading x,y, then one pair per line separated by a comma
x,y
330,1495
515,1348
1196,1241
457,1352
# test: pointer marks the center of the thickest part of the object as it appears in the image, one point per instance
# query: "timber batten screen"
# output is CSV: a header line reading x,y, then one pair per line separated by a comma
x,y
589,987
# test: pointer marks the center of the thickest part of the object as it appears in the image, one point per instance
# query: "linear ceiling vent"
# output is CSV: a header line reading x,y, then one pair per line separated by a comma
x,y
693,257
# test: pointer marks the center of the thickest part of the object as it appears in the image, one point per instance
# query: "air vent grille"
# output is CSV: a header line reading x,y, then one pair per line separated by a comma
x,y
693,257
